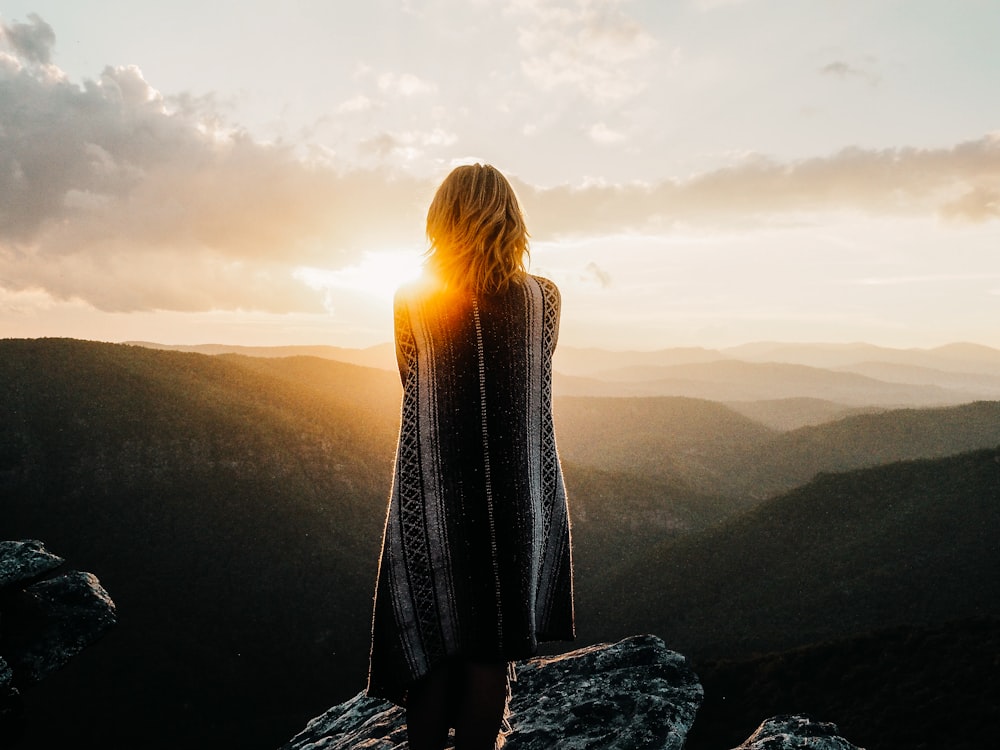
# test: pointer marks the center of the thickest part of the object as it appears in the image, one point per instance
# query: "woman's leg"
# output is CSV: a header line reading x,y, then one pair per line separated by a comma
x,y
483,699
427,711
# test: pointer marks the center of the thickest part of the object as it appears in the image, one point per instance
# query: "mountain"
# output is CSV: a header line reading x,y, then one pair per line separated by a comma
x,y
791,413
657,436
860,441
905,543
976,384
733,380
853,375
708,449
233,507
234,514
380,356
957,357
583,362
894,688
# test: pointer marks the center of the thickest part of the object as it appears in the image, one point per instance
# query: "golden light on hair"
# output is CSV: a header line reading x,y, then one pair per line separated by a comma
x,y
478,238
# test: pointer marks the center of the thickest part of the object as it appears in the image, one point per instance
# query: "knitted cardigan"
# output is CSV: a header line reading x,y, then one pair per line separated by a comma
x,y
476,558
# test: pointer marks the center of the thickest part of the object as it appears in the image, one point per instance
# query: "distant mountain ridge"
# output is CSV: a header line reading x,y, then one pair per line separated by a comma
x,y
851,375
380,356
713,450
954,357
235,503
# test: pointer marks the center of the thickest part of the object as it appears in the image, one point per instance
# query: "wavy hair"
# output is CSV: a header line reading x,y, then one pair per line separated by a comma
x,y
478,238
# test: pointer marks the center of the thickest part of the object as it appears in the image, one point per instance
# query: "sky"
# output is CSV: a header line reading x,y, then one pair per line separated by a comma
x,y
692,172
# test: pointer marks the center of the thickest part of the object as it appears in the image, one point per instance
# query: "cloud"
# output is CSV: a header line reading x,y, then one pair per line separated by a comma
x,y
601,133
359,103
979,203
960,183
588,45
32,41
126,199
407,144
599,274
404,84
841,69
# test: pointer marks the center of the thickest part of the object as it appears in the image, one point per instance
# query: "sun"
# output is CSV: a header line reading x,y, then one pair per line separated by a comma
x,y
378,274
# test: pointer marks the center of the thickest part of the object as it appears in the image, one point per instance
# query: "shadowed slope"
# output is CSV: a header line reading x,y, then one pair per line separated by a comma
x,y
911,542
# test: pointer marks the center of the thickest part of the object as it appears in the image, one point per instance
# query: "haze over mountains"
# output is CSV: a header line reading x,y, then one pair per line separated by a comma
x,y
850,375
233,507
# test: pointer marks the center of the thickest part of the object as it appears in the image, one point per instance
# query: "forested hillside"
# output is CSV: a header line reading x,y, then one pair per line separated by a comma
x,y
233,507
906,543
234,515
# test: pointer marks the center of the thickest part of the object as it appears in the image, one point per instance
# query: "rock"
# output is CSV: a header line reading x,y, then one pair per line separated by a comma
x,y
796,732
51,621
23,561
8,693
632,695
44,621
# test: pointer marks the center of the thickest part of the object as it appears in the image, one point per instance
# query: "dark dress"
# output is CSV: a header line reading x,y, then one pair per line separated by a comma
x,y
476,556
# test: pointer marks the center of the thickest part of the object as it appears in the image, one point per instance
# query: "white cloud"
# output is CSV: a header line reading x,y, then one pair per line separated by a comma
x,y
959,184
406,144
404,84
359,103
119,196
601,133
589,45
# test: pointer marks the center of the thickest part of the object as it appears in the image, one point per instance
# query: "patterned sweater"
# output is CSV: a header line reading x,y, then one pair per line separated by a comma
x,y
476,556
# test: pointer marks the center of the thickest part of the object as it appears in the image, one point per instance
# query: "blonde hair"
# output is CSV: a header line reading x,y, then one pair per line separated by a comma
x,y
478,238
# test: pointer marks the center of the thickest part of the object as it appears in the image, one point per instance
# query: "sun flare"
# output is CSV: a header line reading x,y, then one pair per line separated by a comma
x,y
378,275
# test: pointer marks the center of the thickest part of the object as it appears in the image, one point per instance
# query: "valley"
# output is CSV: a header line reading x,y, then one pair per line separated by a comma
x,y
233,506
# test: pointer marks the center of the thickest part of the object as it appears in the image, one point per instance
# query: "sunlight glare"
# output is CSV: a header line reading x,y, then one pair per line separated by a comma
x,y
377,275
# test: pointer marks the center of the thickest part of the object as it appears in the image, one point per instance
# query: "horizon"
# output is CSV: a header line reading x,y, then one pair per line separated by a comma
x,y
706,173
605,349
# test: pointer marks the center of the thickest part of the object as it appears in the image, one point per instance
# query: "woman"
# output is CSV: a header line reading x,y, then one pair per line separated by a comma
x,y
475,569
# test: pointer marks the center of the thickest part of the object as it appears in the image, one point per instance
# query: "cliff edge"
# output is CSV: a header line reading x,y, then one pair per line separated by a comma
x,y
635,694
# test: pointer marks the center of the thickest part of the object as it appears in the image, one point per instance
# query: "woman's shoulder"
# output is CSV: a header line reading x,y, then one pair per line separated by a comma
x,y
548,286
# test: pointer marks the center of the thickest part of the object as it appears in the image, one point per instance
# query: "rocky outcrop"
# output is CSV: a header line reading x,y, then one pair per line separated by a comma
x,y
632,695
47,616
796,732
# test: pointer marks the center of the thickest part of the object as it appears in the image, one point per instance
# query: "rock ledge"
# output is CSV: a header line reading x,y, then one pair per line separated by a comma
x,y
631,695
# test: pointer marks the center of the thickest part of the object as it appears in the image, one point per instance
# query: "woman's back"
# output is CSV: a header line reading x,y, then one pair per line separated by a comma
x,y
478,548
476,567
